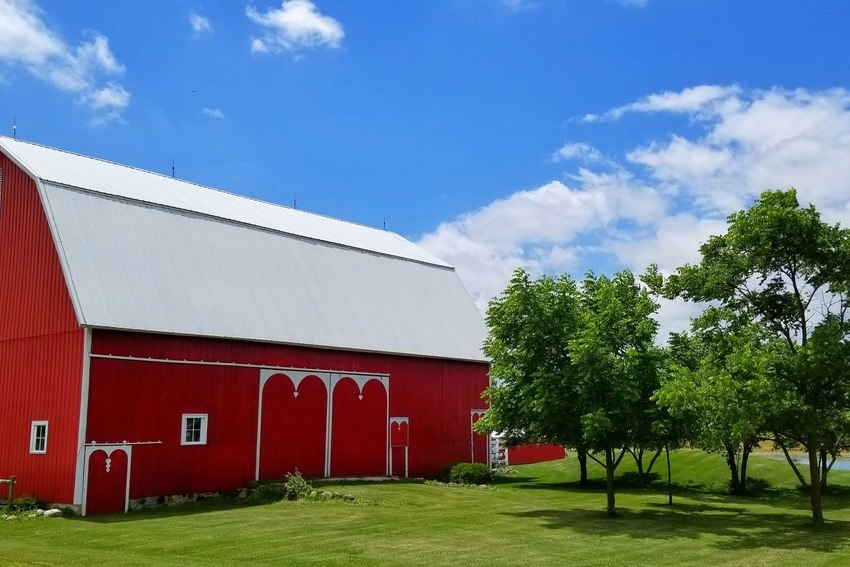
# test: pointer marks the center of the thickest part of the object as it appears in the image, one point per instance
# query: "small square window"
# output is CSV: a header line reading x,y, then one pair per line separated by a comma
x,y
194,429
38,437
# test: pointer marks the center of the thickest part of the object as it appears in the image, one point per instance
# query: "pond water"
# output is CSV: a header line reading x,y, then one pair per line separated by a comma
x,y
841,464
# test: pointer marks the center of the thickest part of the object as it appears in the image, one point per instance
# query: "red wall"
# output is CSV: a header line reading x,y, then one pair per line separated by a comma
x,y
143,401
41,347
534,453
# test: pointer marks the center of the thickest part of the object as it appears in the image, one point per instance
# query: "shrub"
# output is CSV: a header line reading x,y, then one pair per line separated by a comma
x,y
22,504
470,473
293,487
445,472
269,491
296,487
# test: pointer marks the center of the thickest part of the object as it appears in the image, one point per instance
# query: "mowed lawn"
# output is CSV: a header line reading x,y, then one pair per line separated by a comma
x,y
535,516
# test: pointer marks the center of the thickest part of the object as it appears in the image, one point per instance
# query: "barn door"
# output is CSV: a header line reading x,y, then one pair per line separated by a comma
x,y
107,479
293,427
399,446
359,416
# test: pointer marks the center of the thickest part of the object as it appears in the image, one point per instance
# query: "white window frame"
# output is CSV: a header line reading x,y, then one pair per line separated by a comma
x,y
34,437
203,438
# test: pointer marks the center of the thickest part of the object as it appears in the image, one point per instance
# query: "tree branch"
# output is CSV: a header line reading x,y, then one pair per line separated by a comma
x,y
791,462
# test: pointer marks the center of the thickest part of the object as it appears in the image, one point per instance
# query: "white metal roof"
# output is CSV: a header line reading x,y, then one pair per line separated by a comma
x,y
66,168
139,254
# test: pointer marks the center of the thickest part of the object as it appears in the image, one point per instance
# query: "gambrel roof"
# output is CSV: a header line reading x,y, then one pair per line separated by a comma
x,y
145,252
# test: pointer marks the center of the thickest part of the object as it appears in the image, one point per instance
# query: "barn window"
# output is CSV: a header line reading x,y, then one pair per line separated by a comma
x,y
38,437
194,429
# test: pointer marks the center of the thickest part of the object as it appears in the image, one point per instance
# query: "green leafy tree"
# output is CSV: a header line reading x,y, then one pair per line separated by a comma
x,y
781,266
726,393
534,396
617,362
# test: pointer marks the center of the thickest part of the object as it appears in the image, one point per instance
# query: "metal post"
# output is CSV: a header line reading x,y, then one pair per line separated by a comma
x,y
11,491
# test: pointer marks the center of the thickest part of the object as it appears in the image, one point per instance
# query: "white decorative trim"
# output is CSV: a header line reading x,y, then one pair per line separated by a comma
x,y
329,414
283,369
479,413
34,437
389,460
361,380
83,415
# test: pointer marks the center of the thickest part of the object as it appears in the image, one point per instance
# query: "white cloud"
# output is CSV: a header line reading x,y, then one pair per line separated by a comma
x,y
756,141
213,112
112,96
537,228
578,151
200,25
689,100
520,5
26,42
664,198
296,24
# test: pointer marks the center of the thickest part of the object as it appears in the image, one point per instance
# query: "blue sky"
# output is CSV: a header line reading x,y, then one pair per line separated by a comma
x,y
557,136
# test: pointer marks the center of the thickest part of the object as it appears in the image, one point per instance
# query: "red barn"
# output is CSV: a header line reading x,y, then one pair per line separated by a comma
x,y
159,338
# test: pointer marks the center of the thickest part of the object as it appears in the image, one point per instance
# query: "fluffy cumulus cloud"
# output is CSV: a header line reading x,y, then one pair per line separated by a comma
x,y
537,228
659,201
295,25
756,141
200,25
26,43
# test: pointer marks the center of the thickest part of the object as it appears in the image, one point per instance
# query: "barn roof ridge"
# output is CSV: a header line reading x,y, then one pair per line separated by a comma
x,y
35,170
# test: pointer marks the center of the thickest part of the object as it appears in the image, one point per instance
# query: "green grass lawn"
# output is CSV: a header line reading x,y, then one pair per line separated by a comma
x,y
537,515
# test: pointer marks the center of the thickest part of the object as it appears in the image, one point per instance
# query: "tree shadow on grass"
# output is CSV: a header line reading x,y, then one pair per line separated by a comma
x,y
836,497
732,527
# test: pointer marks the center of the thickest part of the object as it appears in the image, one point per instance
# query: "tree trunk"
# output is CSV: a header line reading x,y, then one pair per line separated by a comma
x,y
669,478
609,480
814,482
823,469
638,456
733,469
745,456
581,455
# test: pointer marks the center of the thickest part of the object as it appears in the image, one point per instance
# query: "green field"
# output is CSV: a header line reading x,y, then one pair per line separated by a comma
x,y
536,515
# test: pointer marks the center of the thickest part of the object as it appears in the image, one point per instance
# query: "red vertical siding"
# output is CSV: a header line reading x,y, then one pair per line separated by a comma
x,y
107,482
534,453
294,427
146,401
359,434
41,346
436,395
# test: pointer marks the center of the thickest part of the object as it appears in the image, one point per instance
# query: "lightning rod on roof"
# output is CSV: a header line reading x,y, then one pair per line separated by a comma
x,y
172,168
294,200
15,127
